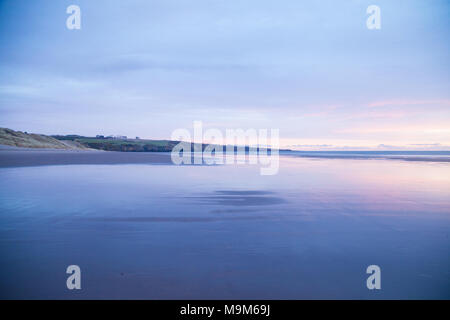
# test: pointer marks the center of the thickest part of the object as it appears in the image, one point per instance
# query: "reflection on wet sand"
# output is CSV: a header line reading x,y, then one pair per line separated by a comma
x,y
226,232
240,198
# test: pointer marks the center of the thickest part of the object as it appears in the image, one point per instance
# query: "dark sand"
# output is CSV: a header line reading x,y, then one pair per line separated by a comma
x,y
29,157
25,157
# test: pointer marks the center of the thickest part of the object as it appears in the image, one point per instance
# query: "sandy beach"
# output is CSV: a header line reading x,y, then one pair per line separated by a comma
x,y
26,157
29,157
221,232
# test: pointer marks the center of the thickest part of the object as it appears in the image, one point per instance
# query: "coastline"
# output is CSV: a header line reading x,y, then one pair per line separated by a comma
x,y
30,157
402,156
27,157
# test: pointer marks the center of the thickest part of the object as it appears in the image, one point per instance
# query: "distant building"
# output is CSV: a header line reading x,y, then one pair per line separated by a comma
x,y
100,136
117,137
137,138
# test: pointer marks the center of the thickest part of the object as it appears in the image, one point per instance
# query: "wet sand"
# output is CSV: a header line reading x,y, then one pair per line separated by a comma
x,y
25,157
29,157
226,232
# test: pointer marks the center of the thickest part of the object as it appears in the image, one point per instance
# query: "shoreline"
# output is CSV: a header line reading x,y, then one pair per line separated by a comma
x,y
29,157
18,157
423,158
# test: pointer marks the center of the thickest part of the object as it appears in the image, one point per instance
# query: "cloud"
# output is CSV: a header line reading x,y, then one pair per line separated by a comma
x,y
406,102
140,62
310,145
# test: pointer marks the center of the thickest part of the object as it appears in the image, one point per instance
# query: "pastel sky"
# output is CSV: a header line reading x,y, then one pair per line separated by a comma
x,y
309,68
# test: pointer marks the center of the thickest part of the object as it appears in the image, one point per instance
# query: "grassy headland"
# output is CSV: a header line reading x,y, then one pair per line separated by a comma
x,y
31,140
124,145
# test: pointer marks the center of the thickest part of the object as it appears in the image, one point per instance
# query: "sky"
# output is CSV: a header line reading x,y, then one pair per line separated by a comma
x,y
311,69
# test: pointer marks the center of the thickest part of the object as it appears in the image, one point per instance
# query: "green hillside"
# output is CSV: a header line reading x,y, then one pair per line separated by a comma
x,y
125,145
30,140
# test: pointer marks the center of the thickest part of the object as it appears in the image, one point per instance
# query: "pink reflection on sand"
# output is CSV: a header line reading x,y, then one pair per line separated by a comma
x,y
375,187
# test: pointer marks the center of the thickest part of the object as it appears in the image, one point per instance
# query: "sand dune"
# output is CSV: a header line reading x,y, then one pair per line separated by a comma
x,y
30,140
